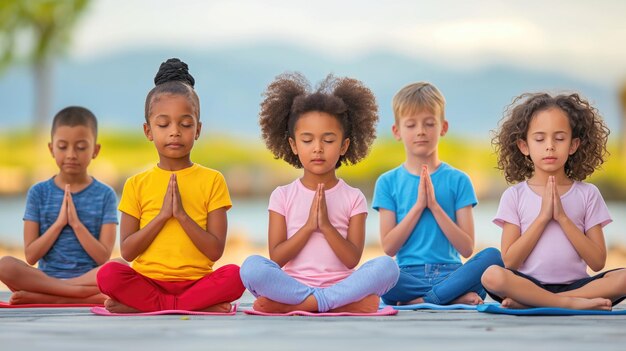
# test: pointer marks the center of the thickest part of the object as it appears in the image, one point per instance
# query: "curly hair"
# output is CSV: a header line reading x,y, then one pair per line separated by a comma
x,y
586,123
290,96
174,78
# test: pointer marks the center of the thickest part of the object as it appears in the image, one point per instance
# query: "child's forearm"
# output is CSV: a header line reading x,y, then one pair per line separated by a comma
x,y
347,252
593,254
462,241
515,255
37,248
99,252
392,240
133,243
208,243
286,250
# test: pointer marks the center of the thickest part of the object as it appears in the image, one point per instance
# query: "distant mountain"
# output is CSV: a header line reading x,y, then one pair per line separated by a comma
x,y
230,82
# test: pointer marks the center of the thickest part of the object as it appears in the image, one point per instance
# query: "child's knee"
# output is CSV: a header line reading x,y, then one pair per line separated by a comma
x,y
108,275
250,271
8,266
493,256
493,278
388,268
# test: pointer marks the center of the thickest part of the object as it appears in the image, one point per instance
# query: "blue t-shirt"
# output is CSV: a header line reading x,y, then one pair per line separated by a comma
x,y
396,190
95,205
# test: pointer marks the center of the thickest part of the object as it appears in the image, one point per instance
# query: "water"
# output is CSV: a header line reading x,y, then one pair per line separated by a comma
x,y
249,218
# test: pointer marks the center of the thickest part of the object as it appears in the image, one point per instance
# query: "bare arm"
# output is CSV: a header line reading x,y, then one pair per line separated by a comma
x,y
461,233
393,235
35,246
350,249
283,250
515,246
590,246
134,241
98,249
211,241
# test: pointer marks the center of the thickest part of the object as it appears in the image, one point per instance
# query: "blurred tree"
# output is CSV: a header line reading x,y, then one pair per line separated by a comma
x,y
622,142
37,30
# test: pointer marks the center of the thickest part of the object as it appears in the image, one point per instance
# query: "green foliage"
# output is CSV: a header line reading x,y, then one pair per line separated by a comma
x,y
48,22
251,170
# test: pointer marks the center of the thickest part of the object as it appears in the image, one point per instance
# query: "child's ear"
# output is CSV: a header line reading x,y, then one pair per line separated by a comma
x,y
292,143
198,129
344,146
96,151
396,131
574,146
522,145
444,128
50,148
147,131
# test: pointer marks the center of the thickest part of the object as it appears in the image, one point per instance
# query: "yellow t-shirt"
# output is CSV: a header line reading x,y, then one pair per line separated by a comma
x,y
172,256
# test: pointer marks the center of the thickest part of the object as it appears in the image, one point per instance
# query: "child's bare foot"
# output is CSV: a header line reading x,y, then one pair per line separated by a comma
x,y
470,298
368,304
412,302
223,307
263,304
26,297
117,307
579,303
510,303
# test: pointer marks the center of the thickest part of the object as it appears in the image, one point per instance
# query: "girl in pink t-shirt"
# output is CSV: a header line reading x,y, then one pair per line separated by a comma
x,y
317,222
551,221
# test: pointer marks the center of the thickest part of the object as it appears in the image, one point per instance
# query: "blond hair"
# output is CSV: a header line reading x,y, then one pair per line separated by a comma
x,y
417,97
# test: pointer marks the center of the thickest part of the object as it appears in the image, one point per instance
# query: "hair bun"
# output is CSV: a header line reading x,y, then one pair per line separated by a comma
x,y
173,70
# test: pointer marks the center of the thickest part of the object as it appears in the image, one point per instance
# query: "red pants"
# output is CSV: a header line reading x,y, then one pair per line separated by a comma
x,y
125,285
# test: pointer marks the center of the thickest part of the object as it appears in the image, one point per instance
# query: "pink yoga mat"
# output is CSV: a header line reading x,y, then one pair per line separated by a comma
x,y
386,311
4,304
101,311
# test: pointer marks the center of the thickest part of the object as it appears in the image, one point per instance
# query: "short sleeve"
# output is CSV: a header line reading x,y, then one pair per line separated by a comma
x,y
383,197
110,207
596,211
507,209
360,204
465,195
219,196
33,204
277,201
128,202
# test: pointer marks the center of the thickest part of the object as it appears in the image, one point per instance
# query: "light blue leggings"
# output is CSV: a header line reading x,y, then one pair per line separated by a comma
x,y
263,277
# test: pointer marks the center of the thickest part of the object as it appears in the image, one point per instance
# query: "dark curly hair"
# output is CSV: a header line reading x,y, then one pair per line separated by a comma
x,y
173,78
586,123
290,95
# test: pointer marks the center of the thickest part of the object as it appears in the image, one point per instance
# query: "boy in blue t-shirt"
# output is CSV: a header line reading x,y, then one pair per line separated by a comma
x,y
70,222
425,208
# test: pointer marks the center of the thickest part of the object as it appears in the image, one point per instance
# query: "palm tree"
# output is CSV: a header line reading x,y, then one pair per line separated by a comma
x,y
49,24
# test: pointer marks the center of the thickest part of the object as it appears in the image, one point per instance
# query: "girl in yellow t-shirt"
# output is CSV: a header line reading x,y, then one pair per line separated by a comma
x,y
173,224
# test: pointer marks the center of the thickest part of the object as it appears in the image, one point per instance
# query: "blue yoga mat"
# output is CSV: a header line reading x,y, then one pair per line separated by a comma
x,y
544,311
432,306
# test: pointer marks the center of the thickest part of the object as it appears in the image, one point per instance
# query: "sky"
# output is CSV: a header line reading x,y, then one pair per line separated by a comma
x,y
576,38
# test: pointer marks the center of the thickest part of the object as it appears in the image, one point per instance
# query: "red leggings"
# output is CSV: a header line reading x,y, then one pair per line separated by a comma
x,y
125,285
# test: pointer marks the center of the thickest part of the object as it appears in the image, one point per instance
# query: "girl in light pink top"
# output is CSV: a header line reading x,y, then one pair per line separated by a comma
x,y
552,221
317,222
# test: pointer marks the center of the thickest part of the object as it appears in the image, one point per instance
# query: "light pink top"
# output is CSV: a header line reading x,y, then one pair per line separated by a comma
x,y
554,259
317,264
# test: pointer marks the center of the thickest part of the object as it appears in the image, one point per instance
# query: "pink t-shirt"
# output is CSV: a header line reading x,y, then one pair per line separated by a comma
x,y
317,264
554,259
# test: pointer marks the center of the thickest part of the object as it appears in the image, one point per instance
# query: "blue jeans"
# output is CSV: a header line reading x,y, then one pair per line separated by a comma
x,y
263,277
442,283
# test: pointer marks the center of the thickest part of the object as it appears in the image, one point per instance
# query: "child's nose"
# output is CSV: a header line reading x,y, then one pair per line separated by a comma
x,y
174,131
318,147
